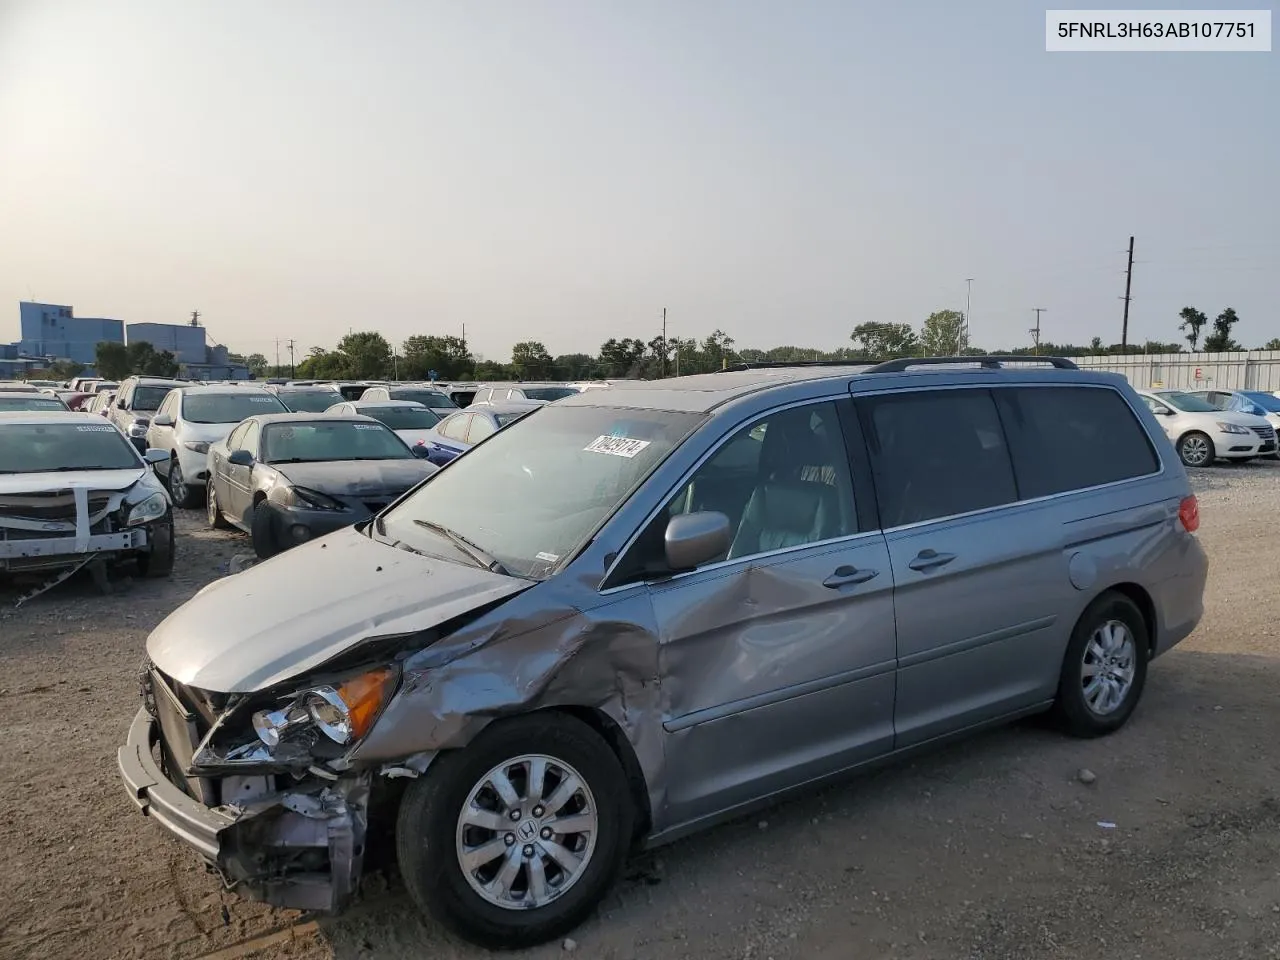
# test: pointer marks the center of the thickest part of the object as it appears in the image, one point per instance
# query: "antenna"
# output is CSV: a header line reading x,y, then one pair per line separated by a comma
x,y
195,318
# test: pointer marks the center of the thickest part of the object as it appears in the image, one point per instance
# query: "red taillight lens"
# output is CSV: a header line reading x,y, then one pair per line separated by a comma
x,y
1189,514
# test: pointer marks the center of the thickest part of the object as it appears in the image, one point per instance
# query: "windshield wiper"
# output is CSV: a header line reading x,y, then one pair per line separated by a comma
x,y
486,560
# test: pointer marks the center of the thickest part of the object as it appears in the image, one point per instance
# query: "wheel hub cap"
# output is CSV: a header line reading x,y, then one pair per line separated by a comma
x,y
1110,659
527,832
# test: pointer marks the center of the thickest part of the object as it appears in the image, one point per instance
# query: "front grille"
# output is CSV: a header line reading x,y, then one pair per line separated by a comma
x,y
181,730
1266,433
57,507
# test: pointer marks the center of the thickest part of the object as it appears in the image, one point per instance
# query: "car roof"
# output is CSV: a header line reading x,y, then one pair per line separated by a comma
x,y
158,381
32,394
207,389
305,388
507,406
51,416
385,403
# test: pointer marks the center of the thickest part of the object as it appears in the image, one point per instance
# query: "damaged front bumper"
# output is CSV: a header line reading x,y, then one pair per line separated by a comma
x,y
290,842
29,554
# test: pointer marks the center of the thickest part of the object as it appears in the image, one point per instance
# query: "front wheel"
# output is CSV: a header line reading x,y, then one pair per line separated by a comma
x,y
1105,668
183,495
1195,449
157,562
514,840
213,510
263,532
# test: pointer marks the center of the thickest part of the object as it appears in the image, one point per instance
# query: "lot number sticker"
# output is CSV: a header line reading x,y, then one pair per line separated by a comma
x,y
96,429
616,446
366,426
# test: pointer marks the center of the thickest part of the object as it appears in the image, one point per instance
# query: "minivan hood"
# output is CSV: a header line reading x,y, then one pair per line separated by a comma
x,y
49,482
290,614
357,478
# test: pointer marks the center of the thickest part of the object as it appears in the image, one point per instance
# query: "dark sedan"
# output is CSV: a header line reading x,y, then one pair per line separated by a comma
x,y
287,478
456,434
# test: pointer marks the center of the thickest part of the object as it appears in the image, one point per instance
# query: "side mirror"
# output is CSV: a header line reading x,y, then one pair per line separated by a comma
x,y
1162,412
420,450
695,538
163,420
240,458
156,455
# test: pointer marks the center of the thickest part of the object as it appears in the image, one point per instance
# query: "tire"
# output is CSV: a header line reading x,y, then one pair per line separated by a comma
x,y
213,512
1084,715
263,532
181,492
430,836
1195,449
157,563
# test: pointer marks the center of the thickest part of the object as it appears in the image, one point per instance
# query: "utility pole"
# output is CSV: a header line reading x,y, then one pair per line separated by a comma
x,y
277,354
664,342
195,318
964,332
1035,331
1128,282
293,373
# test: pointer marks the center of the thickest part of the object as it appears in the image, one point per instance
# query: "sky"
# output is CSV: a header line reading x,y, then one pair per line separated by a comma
x,y
562,170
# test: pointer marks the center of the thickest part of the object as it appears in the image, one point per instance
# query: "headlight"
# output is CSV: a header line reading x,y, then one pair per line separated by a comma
x,y
1232,428
344,712
197,446
308,499
152,508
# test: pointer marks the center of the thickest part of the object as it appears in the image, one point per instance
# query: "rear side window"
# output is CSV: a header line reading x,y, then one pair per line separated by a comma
x,y
455,428
937,453
1070,438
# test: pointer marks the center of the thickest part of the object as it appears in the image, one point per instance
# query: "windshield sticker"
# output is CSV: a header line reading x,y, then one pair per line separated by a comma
x,y
261,399
616,446
366,426
549,557
96,429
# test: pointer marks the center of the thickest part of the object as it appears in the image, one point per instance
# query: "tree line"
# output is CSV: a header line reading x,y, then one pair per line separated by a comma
x,y
368,355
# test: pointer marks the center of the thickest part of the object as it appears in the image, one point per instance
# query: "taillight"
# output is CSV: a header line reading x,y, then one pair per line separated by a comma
x,y
1189,514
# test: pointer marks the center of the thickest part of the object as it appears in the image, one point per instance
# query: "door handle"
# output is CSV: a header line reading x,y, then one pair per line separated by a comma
x,y
930,560
846,575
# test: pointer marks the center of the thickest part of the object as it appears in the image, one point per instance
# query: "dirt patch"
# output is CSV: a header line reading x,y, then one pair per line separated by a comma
x,y
988,850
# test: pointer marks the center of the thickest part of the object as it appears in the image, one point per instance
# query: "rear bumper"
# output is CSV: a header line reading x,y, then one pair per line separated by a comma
x,y
1180,600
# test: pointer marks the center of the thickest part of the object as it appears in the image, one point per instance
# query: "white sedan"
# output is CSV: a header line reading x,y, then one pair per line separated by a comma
x,y
1201,433
412,421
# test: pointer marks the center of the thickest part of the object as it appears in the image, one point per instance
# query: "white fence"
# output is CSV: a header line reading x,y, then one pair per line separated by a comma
x,y
1250,370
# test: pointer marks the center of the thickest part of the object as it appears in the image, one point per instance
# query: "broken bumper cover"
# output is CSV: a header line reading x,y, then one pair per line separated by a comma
x,y
300,848
22,552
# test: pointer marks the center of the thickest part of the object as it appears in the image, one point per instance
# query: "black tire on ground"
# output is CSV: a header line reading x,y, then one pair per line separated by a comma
x,y
1072,709
1189,440
263,532
157,562
183,494
427,827
213,512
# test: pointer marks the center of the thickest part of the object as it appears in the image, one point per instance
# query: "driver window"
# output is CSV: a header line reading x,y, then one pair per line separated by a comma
x,y
233,441
481,427
247,440
456,428
783,481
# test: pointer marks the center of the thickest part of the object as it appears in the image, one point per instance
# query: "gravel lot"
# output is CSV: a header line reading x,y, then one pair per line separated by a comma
x,y
992,849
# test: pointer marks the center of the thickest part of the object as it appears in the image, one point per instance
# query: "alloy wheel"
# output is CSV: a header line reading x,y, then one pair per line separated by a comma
x,y
1109,667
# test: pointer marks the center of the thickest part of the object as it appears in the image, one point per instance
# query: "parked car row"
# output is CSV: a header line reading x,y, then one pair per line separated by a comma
x,y
1208,425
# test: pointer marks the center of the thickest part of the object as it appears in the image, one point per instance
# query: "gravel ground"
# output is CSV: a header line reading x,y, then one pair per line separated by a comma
x,y
988,850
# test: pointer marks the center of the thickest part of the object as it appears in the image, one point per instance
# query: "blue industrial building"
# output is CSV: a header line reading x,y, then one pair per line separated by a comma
x,y
185,342
50,330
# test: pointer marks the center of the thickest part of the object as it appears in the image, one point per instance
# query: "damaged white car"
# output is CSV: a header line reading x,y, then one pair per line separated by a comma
x,y
74,492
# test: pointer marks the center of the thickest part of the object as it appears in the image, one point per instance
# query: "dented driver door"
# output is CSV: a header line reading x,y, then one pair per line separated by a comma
x,y
778,661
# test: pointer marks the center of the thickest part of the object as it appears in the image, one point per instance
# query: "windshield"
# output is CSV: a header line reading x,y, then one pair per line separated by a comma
x,y
310,401
428,398
548,393
1265,400
39,447
403,418
531,494
30,403
1186,403
149,398
322,440
104,385
227,407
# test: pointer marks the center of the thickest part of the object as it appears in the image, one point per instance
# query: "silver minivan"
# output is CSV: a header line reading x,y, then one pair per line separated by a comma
x,y
643,610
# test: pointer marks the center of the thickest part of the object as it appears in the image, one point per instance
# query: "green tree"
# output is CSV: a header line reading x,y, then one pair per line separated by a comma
x,y
493,370
1220,340
531,360
447,356
367,353
883,341
1095,345
574,366
942,333
111,360
717,350
257,364
65,369
146,361
622,358
1193,322
1272,344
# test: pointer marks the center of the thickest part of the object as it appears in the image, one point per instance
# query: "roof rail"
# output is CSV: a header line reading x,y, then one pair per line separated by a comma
x,y
783,364
989,361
